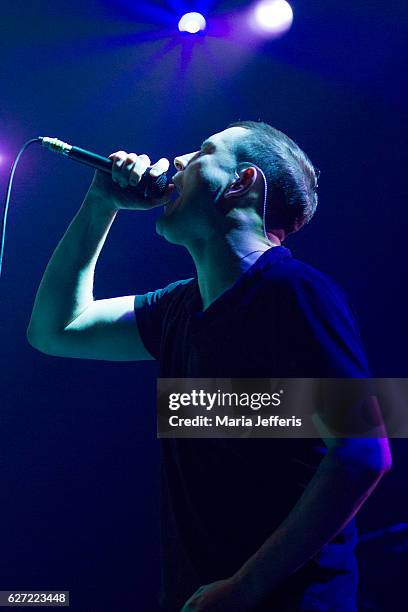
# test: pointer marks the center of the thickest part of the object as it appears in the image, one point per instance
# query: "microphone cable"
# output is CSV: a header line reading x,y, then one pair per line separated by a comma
x,y
148,186
7,199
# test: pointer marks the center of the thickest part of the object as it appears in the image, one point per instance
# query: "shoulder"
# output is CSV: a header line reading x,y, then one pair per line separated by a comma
x,y
300,291
315,317
292,276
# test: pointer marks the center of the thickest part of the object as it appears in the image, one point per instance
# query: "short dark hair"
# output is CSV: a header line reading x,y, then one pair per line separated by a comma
x,y
291,176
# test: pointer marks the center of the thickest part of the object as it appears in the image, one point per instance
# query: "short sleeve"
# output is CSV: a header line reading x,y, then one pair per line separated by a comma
x,y
150,312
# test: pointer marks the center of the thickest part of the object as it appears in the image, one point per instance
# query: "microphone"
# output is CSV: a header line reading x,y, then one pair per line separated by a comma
x,y
149,186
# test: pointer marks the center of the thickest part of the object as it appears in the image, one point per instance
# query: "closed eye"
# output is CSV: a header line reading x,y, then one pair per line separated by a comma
x,y
196,156
206,147
209,148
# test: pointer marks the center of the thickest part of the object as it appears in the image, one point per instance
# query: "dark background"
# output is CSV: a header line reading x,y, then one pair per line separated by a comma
x,y
78,448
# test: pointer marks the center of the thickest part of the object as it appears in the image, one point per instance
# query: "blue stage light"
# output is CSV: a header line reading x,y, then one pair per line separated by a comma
x,y
192,23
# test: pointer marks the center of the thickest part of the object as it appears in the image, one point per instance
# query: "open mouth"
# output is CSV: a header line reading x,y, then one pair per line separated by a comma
x,y
174,200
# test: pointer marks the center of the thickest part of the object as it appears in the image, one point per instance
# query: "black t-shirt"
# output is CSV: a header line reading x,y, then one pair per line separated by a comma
x,y
222,498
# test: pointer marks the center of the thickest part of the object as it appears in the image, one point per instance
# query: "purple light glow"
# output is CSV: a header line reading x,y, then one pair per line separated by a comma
x,y
272,17
192,23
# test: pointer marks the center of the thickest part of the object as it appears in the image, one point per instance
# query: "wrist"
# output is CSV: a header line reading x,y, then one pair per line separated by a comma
x,y
102,205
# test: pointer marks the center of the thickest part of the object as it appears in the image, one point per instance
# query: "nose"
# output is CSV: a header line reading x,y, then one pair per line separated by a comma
x,y
181,162
178,163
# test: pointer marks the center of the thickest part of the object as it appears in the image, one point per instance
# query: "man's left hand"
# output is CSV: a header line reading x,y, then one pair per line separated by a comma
x,y
221,596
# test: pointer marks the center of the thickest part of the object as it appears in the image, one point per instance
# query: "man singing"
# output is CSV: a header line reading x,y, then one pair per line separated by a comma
x,y
247,524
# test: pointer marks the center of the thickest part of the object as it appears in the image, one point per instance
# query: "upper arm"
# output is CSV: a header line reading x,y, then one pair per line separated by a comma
x,y
106,329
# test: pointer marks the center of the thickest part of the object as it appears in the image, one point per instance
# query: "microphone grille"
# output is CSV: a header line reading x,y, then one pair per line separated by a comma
x,y
153,186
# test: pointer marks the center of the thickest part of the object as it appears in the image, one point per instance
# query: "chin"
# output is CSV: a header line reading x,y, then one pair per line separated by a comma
x,y
170,231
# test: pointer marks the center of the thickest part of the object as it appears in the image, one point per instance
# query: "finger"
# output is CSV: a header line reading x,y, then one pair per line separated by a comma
x,y
159,167
142,162
124,169
117,155
118,159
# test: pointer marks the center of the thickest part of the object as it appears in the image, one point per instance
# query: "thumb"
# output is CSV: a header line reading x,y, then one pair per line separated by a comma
x,y
160,167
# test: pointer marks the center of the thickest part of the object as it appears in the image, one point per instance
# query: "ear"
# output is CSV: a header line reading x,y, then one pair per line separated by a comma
x,y
245,180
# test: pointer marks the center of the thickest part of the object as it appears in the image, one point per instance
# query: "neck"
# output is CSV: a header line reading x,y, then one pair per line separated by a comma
x,y
220,261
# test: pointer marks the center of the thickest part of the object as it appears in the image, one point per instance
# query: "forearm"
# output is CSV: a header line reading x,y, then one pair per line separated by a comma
x,y
331,499
66,288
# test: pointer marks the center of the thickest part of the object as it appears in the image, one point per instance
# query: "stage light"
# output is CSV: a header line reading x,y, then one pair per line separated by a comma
x,y
192,23
273,17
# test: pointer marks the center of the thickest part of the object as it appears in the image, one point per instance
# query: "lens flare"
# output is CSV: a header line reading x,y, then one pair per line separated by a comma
x,y
273,17
192,23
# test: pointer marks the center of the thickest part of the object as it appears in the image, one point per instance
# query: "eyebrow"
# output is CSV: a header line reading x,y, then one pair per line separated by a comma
x,y
207,143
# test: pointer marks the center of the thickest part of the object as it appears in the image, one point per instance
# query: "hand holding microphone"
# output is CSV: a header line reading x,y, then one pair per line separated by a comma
x,y
126,187
126,180
123,180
